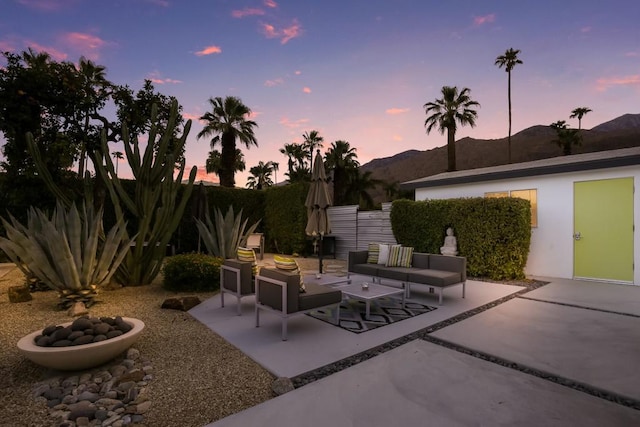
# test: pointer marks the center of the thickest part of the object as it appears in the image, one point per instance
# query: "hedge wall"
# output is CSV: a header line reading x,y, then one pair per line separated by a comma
x,y
286,217
494,234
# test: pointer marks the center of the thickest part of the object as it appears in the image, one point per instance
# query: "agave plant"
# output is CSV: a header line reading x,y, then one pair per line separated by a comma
x,y
223,236
68,252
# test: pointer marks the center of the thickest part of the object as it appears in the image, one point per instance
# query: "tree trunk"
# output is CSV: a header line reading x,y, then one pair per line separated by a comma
x,y
509,96
451,150
227,160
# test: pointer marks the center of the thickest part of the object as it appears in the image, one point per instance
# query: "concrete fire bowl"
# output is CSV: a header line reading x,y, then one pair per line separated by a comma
x,y
79,357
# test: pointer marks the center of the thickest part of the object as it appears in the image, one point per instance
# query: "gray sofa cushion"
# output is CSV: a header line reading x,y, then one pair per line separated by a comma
x,y
395,273
365,269
271,295
449,263
438,278
318,296
420,260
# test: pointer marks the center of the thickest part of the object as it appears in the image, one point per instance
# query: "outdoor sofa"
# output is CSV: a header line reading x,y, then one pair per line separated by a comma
x,y
431,270
236,279
279,292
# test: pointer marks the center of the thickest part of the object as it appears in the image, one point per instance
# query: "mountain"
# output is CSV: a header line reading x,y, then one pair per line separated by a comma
x,y
533,143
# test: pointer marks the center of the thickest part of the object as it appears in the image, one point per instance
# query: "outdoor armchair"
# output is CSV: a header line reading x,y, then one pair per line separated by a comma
x,y
279,292
236,279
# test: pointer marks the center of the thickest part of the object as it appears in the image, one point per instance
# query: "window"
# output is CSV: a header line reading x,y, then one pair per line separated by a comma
x,y
530,195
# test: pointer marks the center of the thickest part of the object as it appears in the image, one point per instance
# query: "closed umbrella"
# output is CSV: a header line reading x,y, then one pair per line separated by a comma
x,y
317,202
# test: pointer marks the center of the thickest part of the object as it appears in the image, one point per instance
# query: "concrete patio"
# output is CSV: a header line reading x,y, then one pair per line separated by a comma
x,y
585,334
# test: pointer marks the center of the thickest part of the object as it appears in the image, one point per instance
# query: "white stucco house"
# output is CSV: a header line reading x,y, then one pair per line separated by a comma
x,y
584,210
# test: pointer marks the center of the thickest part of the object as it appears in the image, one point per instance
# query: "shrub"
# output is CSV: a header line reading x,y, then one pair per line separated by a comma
x,y
192,272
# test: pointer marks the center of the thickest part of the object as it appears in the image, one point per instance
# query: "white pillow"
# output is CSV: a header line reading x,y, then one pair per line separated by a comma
x,y
383,255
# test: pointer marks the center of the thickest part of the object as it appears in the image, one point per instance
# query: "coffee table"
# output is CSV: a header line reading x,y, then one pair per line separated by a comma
x,y
326,279
374,291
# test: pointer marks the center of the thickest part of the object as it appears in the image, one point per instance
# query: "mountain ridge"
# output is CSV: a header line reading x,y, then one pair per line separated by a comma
x,y
532,143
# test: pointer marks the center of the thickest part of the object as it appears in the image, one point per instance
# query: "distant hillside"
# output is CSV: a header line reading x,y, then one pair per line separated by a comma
x,y
533,143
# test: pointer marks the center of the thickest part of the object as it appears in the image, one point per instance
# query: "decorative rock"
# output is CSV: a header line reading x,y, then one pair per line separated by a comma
x,y
182,304
143,407
282,385
19,294
78,309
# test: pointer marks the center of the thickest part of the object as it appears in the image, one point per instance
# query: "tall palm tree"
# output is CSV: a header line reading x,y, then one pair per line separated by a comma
x,y
214,162
260,175
227,122
94,82
118,155
579,112
341,158
312,141
447,112
508,61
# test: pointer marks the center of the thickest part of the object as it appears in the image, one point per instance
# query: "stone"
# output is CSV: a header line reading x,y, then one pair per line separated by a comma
x,y
282,385
143,407
182,304
19,294
78,309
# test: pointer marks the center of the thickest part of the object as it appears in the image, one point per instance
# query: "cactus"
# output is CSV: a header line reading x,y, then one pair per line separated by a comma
x,y
155,203
223,237
69,252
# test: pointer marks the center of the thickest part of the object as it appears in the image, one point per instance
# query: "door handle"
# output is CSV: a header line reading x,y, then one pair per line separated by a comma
x,y
577,236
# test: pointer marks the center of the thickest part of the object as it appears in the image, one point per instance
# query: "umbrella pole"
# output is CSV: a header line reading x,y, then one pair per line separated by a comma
x,y
320,255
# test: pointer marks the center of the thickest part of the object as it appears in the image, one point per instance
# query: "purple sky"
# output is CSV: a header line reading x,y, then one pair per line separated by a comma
x,y
355,70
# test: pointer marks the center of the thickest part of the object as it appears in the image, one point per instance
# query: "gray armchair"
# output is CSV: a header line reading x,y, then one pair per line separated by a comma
x,y
279,292
236,279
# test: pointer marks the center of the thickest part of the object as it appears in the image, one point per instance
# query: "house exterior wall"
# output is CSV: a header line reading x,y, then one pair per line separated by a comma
x,y
551,252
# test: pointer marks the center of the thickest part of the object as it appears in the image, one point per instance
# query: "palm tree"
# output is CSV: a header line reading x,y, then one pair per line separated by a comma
x,y
94,83
227,122
118,155
261,175
358,188
297,164
566,137
509,60
579,112
312,141
214,162
447,112
342,159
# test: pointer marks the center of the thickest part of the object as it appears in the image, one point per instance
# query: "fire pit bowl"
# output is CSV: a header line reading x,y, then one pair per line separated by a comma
x,y
79,357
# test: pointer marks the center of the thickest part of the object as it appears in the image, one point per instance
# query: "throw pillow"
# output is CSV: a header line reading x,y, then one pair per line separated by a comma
x,y
248,255
383,256
373,252
400,256
290,265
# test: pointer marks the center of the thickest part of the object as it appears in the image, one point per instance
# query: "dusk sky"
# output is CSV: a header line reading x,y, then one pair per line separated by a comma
x,y
355,70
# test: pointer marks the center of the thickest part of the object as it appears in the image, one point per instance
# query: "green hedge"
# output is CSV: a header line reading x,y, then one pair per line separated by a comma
x,y
286,217
494,234
192,272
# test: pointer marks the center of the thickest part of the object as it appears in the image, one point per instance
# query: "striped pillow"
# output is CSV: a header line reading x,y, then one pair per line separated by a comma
x,y
246,255
400,256
289,265
373,252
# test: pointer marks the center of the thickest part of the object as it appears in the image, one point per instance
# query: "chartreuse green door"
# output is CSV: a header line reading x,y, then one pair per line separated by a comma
x,y
603,229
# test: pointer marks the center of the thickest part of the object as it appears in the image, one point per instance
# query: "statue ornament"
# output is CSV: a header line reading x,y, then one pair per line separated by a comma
x,y
450,244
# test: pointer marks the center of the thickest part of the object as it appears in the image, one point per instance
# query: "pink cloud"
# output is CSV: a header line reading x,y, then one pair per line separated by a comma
x,y
161,3
293,124
585,29
164,81
306,90
87,44
247,11
6,46
209,50
270,3
605,83
284,34
202,175
191,116
396,111
53,52
274,82
631,54
398,138
297,72
486,19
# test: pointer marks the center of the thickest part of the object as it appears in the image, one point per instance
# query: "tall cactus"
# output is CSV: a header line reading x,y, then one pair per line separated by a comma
x,y
155,203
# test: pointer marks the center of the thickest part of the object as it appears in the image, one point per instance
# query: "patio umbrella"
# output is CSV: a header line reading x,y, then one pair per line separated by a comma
x,y
317,202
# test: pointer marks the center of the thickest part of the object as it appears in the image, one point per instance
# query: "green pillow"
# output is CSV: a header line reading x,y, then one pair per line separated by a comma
x,y
373,252
290,265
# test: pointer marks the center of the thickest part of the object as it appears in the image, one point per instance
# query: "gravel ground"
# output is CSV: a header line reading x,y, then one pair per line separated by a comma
x,y
199,377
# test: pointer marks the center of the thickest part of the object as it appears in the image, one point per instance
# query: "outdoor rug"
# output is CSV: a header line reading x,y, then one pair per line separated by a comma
x,y
384,311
